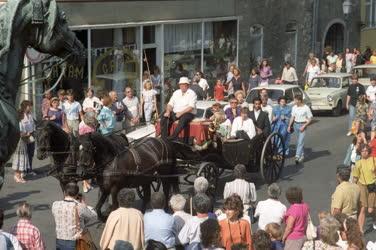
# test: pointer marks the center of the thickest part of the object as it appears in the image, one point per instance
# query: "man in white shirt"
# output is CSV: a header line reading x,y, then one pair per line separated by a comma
x,y
242,126
332,58
270,210
266,107
182,107
371,90
289,74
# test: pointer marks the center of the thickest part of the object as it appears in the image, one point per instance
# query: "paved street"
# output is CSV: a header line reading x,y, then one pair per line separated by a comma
x,y
326,145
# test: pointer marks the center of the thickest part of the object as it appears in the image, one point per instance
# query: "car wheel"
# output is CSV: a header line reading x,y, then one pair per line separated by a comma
x,y
338,109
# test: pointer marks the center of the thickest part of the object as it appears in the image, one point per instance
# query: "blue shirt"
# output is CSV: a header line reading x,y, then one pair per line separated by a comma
x,y
106,121
72,110
277,245
159,226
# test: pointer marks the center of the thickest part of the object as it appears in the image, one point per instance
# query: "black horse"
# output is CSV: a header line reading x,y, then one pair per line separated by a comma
x,y
132,167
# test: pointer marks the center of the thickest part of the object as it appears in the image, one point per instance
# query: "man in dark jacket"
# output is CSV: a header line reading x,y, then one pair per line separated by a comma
x,y
260,118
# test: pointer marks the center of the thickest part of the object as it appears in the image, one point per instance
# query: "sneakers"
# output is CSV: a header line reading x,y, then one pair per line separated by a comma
x,y
349,133
296,160
299,159
32,173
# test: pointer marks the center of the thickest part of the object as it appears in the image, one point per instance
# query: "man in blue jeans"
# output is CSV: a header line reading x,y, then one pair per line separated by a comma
x,y
353,92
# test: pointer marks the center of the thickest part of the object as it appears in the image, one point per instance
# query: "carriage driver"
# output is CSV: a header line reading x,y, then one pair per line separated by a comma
x,y
182,107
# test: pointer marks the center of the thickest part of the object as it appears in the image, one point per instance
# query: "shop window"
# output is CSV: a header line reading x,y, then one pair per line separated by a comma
x,y
370,13
149,34
220,49
256,44
291,43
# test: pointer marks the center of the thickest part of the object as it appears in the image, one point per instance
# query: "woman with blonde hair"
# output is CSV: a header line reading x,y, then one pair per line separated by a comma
x,y
148,100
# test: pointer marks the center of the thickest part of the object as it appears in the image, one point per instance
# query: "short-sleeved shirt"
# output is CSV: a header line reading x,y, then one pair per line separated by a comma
x,y
372,59
300,213
132,105
72,110
148,95
370,92
354,91
346,198
27,124
365,171
106,120
180,101
301,114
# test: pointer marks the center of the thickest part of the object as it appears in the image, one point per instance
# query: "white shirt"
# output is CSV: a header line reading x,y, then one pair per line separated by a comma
x,y
148,95
269,211
268,109
92,102
370,92
332,59
301,114
257,113
132,105
180,218
203,84
72,110
180,101
27,124
191,231
246,190
289,75
12,239
312,72
247,126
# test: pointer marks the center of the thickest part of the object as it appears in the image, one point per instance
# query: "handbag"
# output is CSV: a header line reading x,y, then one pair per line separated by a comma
x,y
311,232
84,240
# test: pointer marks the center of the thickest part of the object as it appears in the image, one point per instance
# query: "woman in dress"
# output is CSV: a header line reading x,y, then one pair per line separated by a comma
x,y
54,113
237,82
148,100
349,60
23,156
313,70
234,229
254,80
265,73
280,121
296,219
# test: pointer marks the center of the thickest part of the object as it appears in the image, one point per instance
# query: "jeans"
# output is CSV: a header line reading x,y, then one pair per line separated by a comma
x,y
351,115
300,139
30,154
65,244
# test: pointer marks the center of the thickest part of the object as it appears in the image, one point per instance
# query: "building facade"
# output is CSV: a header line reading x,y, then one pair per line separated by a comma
x,y
126,38
368,24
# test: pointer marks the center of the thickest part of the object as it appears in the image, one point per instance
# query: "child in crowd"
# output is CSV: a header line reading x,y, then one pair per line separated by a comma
x,y
219,91
322,215
275,232
278,80
148,100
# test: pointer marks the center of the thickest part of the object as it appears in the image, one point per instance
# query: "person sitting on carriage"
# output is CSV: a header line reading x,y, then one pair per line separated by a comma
x,y
233,111
243,127
182,107
217,118
260,118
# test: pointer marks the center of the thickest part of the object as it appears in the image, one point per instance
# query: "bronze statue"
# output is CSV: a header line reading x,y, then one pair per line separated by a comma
x,y
27,23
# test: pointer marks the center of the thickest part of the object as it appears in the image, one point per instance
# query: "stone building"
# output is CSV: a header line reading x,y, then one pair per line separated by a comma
x,y
368,24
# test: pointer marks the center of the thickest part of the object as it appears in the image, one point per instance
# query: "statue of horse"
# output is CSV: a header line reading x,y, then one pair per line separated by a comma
x,y
131,168
27,23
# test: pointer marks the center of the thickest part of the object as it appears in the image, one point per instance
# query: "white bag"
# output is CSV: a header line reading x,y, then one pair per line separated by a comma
x,y
311,232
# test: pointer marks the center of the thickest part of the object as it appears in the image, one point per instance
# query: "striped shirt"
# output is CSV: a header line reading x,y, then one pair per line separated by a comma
x,y
246,190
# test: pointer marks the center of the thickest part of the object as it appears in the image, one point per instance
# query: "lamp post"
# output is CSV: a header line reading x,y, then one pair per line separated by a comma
x,y
347,8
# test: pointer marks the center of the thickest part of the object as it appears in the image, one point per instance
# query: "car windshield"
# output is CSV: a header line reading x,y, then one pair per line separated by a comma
x,y
273,94
200,113
325,82
366,72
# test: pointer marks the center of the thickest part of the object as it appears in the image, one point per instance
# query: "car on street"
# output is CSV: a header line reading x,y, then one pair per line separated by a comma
x,y
204,111
275,91
328,92
365,72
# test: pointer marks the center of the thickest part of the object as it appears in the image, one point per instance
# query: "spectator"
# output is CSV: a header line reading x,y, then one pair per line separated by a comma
x,y
371,90
239,95
237,82
264,92
260,118
270,210
123,245
266,107
7,240
301,117
118,109
27,234
88,124
372,58
280,121
91,102
73,112
106,118
310,57
265,72
190,234
198,90
328,233
364,175
340,63
70,217
275,232
361,111
261,240
155,245
331,58
133,107
346,197
62,98
323,68
202,83
148,100
296,219
156,79
54,113
341,218
254,80
312,71
219,91
202,186
354,91
159,225
46,103
352,154
349,60
230,74
289,74
366,57
233,111
234,229
124,224
210,235
243,127
354,235
23,156
177,204
246,190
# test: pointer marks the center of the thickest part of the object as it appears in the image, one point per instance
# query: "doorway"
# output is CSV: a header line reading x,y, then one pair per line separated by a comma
x,y
335,38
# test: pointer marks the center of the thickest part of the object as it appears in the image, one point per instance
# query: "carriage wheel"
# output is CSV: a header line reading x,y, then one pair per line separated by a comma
x,y
155,186
272,158
211,172
215,158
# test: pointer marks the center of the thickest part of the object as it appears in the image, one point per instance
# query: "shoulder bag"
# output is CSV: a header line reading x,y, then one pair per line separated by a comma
x,y
311,232
84,241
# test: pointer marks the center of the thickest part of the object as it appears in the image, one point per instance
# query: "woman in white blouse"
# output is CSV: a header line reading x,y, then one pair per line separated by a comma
x,y
91,102
242,126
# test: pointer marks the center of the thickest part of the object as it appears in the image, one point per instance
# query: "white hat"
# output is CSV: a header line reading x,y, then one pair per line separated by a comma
x,y
184,80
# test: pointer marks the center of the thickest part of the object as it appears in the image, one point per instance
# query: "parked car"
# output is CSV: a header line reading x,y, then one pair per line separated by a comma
x,y
365,72
275,91
204,109
328,92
